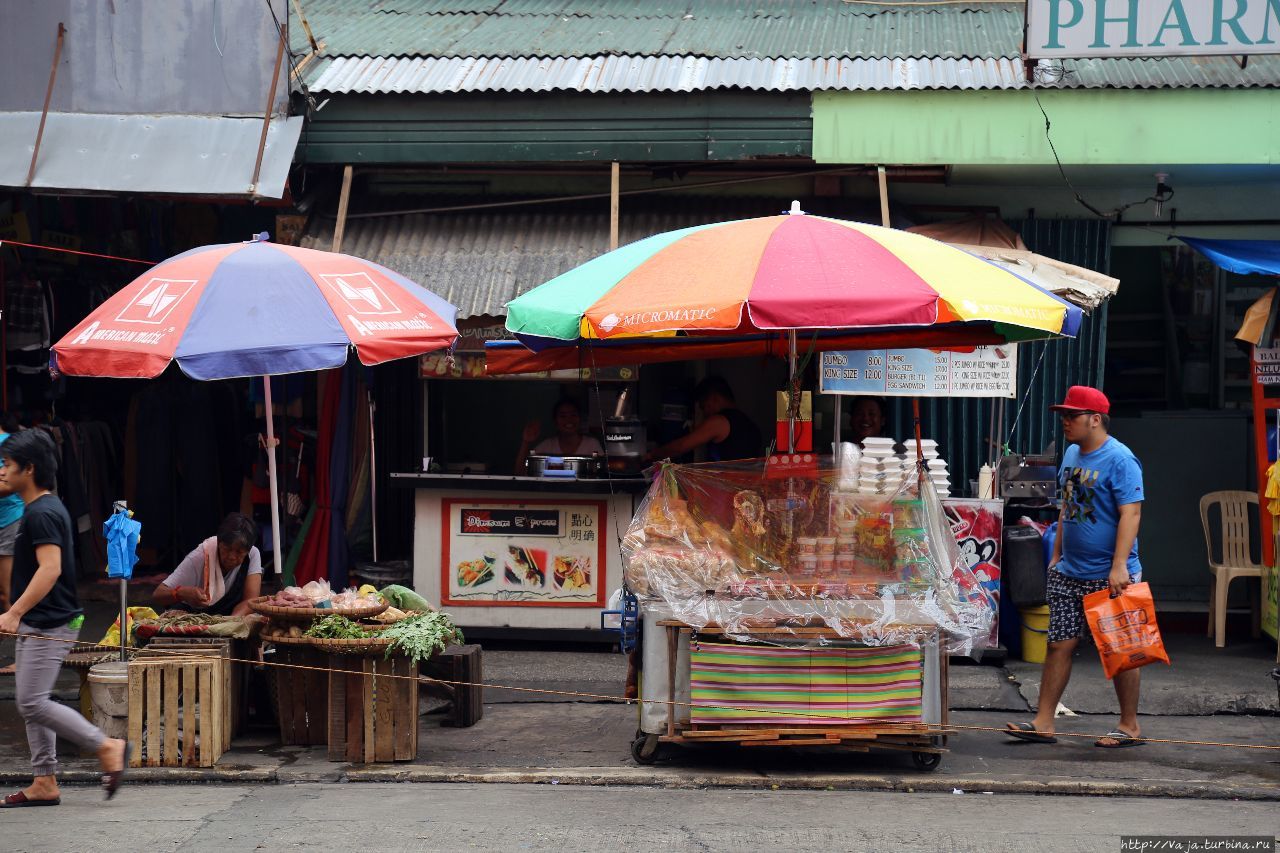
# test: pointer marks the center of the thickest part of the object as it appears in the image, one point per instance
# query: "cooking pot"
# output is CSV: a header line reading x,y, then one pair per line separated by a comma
x,y
542,465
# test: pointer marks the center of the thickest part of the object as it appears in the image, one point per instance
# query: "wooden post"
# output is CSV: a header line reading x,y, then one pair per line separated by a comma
x,y
266,118
48,96
615,178
884,195
344,199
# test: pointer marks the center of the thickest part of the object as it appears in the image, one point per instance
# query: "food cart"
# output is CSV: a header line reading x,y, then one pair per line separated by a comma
x,y
728,555
785,602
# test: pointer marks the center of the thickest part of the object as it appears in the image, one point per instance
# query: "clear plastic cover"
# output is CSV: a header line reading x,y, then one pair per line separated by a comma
x,y
797,549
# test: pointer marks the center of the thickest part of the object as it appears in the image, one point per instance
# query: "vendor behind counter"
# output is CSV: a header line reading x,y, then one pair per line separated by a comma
x,y
567,441
220,576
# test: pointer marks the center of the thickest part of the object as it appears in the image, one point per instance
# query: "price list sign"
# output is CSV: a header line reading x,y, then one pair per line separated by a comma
x,y
985,372
1266,365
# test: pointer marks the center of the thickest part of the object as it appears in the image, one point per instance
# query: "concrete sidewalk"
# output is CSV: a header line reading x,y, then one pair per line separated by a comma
x,y
1209,694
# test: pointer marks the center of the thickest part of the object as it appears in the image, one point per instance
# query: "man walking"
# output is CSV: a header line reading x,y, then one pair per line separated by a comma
x,y
1096,548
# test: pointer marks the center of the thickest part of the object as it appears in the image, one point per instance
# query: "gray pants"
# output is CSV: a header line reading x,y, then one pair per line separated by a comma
x,y
38,662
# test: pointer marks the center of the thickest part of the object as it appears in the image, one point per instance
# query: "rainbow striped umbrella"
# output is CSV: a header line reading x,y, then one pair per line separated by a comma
x,y
790,272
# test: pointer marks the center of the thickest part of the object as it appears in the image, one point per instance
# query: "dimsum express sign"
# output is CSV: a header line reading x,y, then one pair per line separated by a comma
x,y
509,522
1066,29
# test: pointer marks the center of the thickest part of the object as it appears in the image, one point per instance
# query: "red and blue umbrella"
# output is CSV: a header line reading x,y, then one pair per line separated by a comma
x,y
256,309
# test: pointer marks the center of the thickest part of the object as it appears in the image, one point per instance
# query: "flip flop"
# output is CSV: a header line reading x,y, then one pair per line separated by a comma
x,y
1027,732
111,779
1122,740
22,801
11,669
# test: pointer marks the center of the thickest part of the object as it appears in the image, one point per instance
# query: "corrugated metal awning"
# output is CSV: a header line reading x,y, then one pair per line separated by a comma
x,y
633,73
163,154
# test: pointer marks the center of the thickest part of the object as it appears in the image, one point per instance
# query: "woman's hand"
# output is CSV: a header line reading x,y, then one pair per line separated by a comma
x,y
191,595
532,430
9,622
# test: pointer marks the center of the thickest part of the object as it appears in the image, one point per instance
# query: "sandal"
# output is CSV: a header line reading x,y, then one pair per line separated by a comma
x,y
21,801
1027,732
111,778
1122,740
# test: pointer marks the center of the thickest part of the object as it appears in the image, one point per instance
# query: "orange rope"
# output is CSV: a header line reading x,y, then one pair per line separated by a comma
x,y
75,252
907,728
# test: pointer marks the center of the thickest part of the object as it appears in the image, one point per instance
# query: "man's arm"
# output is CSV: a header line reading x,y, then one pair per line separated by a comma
x,y
1057,538
49,562
1126,535
714,428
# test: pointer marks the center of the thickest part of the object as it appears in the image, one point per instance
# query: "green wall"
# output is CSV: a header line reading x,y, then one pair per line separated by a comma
x,y
1089,127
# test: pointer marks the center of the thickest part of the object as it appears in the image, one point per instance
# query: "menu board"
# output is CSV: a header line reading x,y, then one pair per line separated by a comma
x,y
522,554
990,371
1266,365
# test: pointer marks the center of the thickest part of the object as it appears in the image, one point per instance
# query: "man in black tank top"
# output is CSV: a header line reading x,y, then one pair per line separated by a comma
x,y
725,431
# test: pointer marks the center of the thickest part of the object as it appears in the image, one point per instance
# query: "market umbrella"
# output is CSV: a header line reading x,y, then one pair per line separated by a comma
x,y
256,309
728,288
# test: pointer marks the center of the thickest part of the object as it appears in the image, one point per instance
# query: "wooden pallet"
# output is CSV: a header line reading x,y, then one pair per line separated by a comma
x,y
302,695
372,719
231,676
172,693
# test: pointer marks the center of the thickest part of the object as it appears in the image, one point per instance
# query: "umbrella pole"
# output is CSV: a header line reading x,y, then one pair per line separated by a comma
x,y
271,476
373,476
791,387
915,416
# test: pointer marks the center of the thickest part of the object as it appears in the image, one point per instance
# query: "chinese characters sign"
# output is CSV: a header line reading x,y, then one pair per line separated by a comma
x,y
532,553
985,372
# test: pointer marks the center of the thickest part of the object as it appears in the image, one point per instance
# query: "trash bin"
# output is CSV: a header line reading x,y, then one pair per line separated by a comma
x,y
109,691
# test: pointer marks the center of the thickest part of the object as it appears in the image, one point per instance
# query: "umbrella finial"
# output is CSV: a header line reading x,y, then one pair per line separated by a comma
x,y
795,209
261,237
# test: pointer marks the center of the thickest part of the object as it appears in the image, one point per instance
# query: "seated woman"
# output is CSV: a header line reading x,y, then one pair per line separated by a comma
x,y
220,576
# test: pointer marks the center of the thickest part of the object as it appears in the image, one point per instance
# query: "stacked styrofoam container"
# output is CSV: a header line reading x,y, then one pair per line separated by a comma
x,y
937,467
881,470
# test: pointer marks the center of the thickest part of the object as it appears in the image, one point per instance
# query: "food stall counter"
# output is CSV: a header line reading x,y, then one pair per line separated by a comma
x,y
508,552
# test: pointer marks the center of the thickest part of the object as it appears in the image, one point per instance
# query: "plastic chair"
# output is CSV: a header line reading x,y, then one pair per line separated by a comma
x,y
1237,510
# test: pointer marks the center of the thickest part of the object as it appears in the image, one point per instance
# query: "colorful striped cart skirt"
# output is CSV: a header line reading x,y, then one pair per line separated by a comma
x,y
732,683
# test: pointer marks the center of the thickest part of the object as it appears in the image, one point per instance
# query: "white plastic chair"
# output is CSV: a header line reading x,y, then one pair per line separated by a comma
x,y
1237,510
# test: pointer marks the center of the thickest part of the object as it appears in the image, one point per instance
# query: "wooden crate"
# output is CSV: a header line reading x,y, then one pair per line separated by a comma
x,y
463,668
169,693
372,718
302,695
232,675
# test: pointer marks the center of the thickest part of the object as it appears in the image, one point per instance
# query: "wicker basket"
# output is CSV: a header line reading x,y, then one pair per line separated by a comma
x,y
305,614
289,641
363,645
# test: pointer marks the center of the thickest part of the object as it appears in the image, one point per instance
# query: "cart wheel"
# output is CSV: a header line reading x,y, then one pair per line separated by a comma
x,y
927,761
644,749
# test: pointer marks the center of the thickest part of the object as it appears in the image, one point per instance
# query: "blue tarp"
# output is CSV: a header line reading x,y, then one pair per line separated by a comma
x,y
1245,257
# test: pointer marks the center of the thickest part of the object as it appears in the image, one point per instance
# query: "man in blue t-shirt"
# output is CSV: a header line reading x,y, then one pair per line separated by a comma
x,y
1096,548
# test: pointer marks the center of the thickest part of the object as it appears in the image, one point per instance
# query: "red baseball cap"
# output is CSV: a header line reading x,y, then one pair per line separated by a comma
x,y
1082,398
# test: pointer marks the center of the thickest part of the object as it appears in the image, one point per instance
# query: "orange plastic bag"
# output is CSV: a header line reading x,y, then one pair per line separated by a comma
x,y
1124,628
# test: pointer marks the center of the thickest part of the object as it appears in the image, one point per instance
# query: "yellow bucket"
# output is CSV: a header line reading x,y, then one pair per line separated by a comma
x,y
1035,633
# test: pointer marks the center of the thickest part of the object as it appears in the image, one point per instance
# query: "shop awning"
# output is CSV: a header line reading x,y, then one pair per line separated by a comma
x,y
199,155
1244,257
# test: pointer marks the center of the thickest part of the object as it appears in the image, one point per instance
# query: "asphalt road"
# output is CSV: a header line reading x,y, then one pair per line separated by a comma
x,y
396,817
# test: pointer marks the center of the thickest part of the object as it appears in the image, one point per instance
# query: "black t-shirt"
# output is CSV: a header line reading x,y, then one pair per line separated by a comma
x,y
744,440
45,522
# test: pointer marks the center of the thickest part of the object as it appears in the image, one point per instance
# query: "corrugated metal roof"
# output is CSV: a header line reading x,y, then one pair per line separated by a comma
x,y
431,75
480,261
538,28
171,154
655,74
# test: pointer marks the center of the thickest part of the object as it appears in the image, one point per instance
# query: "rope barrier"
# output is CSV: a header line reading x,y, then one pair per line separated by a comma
x,y
75,252
905,728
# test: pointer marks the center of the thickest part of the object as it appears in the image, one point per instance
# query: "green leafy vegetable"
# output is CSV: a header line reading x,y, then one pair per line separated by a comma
x,y
337,627
420,637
